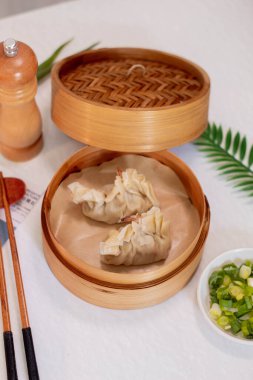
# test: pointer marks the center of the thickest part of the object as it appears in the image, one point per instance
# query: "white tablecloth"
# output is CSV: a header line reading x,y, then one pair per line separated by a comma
x,y
73,339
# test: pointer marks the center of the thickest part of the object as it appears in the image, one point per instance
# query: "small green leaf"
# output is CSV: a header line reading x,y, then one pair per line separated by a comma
x,y
239,176
228,140
244,183
243,148
214,149
250,161
214,132
45,67
227,166
218,159
234,171
214,157
215,153
206,136
203,143
236,143
219,135
247,188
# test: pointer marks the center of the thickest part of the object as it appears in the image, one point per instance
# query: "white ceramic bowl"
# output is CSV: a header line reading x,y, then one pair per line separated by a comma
x,y
236,256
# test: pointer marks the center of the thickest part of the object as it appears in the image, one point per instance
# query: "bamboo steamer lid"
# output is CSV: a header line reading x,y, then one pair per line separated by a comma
x,y
129,99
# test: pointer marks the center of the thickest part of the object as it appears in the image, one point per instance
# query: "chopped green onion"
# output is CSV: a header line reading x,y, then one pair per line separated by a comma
x,y
227,312
223,321
246,328
248,302
213,296
242,310
216,280
235,326
223,293
245,272
236,292
231,298
226,303
239,283
231,270
226,280
215,311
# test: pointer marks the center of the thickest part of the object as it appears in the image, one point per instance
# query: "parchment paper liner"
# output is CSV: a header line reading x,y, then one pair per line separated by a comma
x,y
80,236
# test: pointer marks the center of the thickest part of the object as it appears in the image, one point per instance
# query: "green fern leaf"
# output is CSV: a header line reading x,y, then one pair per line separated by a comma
x,y
214,131
250,161
216,157
246,183
227,166
208,130
219,135
228,154
228,140
203,143
234,171
247,188
209,150
236,143
238,176
243,148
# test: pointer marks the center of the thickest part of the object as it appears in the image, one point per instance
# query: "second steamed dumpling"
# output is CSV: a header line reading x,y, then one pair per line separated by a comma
x,y
146,240
131,194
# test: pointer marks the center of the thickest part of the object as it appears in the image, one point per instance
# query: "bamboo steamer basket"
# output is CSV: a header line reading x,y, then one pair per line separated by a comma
x,y
130,100
127,100
114,290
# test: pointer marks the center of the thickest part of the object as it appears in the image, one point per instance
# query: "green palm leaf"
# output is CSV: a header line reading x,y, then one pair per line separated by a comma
x,y
45,67
228,140
236,143
230,155
250,161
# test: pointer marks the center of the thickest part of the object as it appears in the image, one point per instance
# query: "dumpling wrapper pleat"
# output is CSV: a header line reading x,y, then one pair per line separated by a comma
x,y
144,241
131,194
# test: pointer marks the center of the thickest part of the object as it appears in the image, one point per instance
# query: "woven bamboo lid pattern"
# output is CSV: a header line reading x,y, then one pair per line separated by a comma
x,y
132,83
130,100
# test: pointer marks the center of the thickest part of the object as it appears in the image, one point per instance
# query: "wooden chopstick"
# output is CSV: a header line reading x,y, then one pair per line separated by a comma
x,y
7,333
26,330
15,258
4,297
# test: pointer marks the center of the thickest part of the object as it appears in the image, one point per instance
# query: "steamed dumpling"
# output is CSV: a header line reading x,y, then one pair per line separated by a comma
x,y
144,241
131,194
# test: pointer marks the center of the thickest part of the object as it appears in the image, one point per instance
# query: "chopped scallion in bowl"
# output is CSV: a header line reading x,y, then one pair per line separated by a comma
x,y
225,294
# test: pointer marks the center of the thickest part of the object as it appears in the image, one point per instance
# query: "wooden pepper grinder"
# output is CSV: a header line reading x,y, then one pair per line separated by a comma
x,y
20,120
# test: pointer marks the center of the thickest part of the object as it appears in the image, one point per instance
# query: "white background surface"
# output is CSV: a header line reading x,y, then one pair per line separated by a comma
x,y
10,7
75,340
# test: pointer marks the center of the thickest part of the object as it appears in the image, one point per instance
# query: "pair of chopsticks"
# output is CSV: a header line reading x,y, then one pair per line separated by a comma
x,y
26,330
